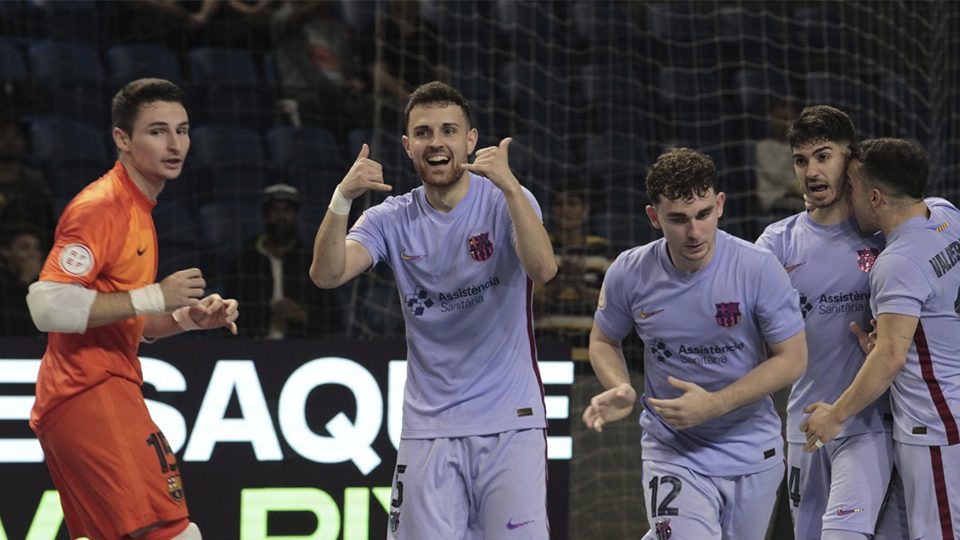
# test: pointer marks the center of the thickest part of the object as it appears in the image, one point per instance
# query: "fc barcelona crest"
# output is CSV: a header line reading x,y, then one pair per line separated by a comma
x,y
394,520
728,314
175,488
481,248
866,258
663,529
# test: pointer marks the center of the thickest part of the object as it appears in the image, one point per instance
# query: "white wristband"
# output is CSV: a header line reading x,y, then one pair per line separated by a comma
x,y
148,299
339,204
183,318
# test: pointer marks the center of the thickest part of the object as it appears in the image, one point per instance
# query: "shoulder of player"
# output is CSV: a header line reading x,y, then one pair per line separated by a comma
x,y
743,252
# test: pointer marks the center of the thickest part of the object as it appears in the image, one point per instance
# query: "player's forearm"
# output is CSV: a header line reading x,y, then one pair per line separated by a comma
x,y
876,375
533,243
330,251
784,368
109,308
160,325
609,365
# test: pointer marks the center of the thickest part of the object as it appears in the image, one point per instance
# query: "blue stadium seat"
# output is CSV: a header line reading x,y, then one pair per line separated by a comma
x,y
908,102
213,144
72,80
13,67
539,95
681,36
71,175
309,147
225,229
250,106
848,93
76,21
54,140
541,156
683,92
617,160
752,36
132,61
219,65
753,90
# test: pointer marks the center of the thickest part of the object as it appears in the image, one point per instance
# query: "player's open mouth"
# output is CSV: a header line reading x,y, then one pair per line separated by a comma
x,y
818,188
438,160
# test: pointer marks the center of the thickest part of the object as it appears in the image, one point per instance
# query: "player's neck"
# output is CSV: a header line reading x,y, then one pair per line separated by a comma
x,y
149,188
896,215
443,199
835,214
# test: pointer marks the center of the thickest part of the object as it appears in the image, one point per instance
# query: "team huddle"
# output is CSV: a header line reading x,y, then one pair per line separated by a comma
x,y
854,302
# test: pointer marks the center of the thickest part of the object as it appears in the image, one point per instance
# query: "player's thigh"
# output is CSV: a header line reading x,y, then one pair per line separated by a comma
x,y
509,486
930,488
808,484
117,467
429,497
749,500
860,480
680,503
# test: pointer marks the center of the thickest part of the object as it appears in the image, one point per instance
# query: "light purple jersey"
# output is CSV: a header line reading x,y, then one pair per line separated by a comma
x,y
710,328
472,361
918,275
829,266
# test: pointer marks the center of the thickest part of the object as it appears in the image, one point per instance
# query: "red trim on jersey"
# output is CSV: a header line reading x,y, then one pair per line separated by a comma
x,y
936,394
533,343
943,502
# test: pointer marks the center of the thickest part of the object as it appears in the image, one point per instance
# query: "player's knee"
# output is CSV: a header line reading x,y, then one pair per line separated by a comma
x,y
192,532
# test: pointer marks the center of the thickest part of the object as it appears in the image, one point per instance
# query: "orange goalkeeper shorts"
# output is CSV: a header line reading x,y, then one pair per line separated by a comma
x,y
111,464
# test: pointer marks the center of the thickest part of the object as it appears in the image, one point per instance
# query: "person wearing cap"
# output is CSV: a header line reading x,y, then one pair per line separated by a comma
x,y
270,277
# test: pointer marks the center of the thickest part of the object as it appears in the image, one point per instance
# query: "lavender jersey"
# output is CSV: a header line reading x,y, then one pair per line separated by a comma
x,y
829,266
918,275
710,328
472,362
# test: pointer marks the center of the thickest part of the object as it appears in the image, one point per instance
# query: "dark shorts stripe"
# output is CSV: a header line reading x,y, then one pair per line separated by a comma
x,y
943,502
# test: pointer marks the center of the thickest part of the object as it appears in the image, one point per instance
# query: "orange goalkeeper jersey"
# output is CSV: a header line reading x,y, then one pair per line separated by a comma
x,y
105,241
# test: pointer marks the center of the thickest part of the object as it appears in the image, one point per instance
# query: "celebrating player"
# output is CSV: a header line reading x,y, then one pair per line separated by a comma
x,y
466,248
914,288
837,493
706,305
115,472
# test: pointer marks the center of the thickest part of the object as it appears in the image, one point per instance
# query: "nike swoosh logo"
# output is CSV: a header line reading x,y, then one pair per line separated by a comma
x,y
141,252
794,267
404,256
649,314
511,525
842,512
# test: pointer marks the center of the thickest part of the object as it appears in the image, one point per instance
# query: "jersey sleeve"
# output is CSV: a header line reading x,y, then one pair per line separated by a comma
x,y
613,315
771,241
369,232
778,303
899,286
87,239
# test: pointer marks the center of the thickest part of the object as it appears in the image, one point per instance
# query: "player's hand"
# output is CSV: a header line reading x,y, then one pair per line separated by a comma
x,y
215,312
609,406
493,162
821,426
183,288
867,341
693,408
364,175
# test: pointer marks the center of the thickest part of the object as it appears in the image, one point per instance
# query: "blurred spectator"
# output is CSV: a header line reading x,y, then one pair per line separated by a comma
x,y
21,257
271,278
319,66
402,52
564,306
777,188
24,195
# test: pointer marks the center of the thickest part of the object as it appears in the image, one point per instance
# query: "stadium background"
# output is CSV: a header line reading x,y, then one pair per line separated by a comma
x,y
590,90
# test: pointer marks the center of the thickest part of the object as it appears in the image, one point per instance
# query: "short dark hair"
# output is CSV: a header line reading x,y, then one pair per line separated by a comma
x,y
821,123
437,93
899,166
126,104
681,173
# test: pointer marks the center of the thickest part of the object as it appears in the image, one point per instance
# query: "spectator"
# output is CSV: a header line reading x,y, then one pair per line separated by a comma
x,y
319,66
402,53
565,305
21,257
271,277
777,188
24,195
